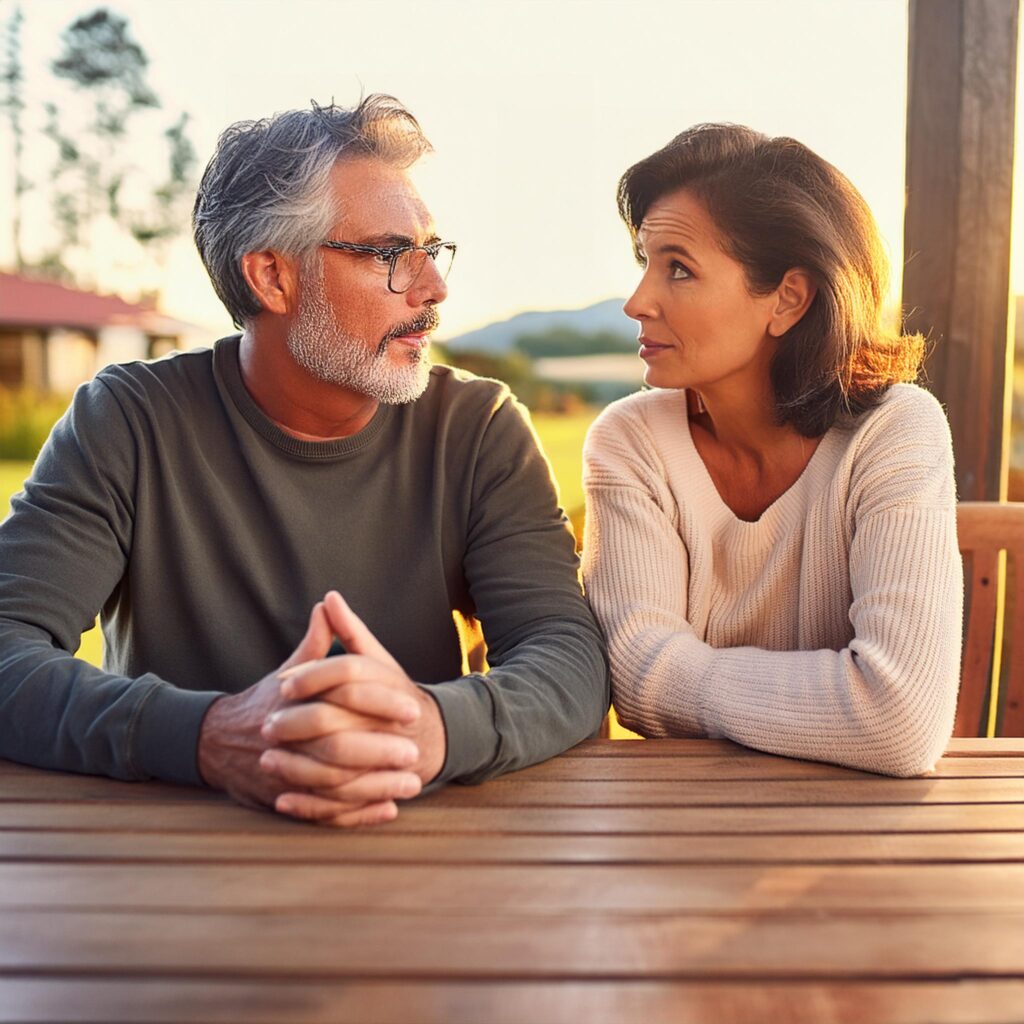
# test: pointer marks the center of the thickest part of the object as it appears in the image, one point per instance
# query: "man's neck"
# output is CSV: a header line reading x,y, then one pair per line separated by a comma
x,y
300,404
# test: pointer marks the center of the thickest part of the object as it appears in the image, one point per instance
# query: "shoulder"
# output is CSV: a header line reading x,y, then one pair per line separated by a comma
x,y
640,422
465,391
908,419
142,384
466,406
901,451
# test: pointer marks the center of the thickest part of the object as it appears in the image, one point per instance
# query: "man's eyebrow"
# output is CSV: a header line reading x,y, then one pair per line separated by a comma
x,y
388,241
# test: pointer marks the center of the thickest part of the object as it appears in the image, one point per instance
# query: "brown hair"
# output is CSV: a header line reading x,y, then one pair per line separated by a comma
x,y
777,205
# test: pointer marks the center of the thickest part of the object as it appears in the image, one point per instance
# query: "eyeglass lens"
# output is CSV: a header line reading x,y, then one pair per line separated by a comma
x,y
410,264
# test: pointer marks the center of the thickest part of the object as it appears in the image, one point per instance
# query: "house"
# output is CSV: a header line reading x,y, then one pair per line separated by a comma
x,y
53,337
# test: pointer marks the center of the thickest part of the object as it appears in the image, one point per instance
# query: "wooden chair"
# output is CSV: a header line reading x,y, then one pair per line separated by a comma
x,y
984,529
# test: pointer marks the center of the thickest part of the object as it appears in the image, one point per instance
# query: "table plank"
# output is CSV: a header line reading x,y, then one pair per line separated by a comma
x,y
722,768
514,792
962,746
523,889
313,845
426,816
502,946
521,790
159,1001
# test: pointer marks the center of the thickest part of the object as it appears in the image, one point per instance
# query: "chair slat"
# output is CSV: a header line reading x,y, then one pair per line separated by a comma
x,y
983,530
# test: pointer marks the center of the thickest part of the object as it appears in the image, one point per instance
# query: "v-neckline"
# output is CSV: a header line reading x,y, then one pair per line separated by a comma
x,y
780,509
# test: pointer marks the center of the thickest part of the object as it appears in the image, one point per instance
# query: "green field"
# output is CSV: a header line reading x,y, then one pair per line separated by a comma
x,y
562,438
12,476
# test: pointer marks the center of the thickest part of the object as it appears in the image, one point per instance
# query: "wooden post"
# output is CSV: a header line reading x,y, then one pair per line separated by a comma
x,y
960,132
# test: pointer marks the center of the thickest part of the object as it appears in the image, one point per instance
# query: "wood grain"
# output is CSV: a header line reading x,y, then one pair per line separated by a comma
x,y
503,946
161,1001
309,845
522,889
425,816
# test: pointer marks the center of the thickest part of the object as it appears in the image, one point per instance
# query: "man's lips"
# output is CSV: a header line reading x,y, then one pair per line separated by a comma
x,y
414,340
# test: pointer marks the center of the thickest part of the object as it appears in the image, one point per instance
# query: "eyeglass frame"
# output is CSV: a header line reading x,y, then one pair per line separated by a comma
x,y
392,252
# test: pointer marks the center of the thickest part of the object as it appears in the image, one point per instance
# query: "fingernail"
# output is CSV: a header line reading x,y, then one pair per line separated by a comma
x,y
288,689
411,786
410,711
409,754
267,759
289,672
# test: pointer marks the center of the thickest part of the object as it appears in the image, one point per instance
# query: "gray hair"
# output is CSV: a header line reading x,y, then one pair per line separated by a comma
x,y
267,185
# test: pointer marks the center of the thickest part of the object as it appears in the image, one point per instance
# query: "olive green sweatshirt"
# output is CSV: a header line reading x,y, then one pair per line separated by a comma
x,y
204,534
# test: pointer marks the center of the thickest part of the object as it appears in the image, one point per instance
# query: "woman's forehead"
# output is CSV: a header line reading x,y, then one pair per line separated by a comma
x,y
681,216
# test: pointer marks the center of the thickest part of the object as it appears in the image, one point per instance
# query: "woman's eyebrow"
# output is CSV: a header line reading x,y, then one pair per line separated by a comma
x,y
678,250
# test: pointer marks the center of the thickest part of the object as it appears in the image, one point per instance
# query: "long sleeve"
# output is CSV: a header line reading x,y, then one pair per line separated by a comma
x,y
547,687
883,702
63,553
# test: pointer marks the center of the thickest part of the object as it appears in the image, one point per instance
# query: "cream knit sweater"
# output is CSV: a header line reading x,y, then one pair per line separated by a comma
x,y
829,629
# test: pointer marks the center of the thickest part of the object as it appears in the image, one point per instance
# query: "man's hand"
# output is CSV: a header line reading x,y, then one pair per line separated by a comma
x,y
231,742
332,751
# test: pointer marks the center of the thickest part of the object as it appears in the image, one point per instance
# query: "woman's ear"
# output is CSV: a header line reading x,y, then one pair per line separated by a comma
x,y
273,280
794,296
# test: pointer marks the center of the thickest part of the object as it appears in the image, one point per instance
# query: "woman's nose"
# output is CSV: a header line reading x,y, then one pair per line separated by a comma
x,y
639,306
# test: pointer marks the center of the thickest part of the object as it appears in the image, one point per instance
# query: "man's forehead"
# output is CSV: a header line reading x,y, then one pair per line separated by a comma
x,y
380,199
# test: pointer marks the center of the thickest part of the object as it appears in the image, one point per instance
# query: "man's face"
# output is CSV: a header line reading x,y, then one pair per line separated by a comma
x,y
350,329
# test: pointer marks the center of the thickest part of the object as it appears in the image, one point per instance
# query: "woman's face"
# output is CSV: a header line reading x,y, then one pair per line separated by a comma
x,y
699,324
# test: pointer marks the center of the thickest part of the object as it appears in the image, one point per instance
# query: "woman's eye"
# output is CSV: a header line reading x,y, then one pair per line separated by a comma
x,y
677,272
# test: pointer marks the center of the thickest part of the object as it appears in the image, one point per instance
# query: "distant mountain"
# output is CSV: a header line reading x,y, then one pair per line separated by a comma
x,y
500,337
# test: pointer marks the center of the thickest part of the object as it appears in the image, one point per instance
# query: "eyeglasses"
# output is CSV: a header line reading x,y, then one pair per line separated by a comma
x,y
405,262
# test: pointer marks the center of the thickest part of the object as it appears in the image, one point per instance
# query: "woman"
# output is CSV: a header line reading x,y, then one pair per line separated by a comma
x,y
771,532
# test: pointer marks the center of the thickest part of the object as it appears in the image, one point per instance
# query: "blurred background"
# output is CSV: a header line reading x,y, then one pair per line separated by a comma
x,y
109,113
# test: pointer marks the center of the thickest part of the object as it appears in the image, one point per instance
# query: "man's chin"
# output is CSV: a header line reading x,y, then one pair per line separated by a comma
x,y
404,388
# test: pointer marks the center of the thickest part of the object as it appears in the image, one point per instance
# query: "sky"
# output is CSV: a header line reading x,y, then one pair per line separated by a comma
x,y
534,107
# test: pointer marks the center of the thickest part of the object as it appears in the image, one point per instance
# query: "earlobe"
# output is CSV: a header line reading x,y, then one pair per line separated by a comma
x,y
794,295
271,278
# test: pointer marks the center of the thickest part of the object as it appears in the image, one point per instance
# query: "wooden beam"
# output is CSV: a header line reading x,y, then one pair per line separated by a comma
x,y
956,288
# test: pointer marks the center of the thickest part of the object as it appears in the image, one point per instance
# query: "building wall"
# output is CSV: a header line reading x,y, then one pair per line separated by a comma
x,y
71,359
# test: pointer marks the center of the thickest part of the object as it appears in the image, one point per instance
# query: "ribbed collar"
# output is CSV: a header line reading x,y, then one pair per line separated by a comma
x,y
789,508
228,371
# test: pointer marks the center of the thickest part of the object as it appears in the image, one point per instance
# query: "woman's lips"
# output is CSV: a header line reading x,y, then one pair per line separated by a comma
x,y
651,349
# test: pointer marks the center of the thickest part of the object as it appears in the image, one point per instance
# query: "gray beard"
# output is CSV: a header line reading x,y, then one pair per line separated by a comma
x,y
326,352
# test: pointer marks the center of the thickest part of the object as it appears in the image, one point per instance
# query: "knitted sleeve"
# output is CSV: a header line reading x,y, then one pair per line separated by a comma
x,y
885,703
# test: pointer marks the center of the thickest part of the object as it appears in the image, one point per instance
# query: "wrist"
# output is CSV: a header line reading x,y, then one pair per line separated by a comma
x,y
431,737
209,749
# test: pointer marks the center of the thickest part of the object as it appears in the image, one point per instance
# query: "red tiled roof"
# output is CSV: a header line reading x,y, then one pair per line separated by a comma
x,y
27,302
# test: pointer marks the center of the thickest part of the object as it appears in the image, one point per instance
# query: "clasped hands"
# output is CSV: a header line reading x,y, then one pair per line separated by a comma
x,y
333,740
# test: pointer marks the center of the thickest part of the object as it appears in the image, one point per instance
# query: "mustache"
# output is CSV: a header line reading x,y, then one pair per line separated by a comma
x,y
425,323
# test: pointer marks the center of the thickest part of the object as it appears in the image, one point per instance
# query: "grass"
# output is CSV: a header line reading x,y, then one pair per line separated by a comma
x,y
562,438
12,476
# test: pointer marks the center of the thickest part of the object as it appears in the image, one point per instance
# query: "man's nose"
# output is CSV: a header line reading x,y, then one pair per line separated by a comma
x,y
429,288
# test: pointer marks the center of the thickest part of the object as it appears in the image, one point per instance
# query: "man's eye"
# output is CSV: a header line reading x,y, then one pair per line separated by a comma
x,y
677,272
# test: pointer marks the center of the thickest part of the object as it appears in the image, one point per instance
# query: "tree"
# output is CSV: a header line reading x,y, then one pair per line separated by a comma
x,y
13,103
569,341
94,186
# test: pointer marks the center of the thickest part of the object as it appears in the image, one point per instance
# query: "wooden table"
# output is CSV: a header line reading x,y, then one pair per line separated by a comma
x,y
624,881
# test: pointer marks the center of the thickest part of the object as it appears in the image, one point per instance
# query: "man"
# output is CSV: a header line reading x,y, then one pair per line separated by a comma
x,y
208,501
